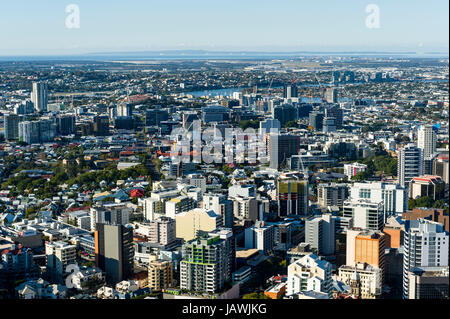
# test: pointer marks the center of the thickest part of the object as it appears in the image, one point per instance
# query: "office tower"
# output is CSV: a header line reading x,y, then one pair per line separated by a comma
x,y
260,236
425,245
320,234
281,147
285,113
188,224
101,125
114,251
66,125
124,110
393,196
331,95
215,113
220,205
365,214
112,112
155,116
332,194
410,164
309,273
427,185
268,125
303,110
39,96
329,124
204,265
370,248
11,124
29,132
162,231
428,283
59,255
316,120
440,167
426,140
364,280
292,195
188,119
160,274
290,91
336,77
335,112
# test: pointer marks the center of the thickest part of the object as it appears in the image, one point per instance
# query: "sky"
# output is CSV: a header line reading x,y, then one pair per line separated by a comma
x,y
38,27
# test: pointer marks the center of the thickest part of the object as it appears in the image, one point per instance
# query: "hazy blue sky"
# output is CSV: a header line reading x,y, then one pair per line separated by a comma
x,y
33,27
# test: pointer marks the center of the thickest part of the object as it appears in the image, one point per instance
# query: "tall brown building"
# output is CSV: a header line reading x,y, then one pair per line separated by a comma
x,y
369,248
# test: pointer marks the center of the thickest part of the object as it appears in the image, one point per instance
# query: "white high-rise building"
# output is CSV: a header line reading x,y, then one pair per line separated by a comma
x,y
39,96
426,140
410,164
261,237
425,245
393,196
365,213
320,234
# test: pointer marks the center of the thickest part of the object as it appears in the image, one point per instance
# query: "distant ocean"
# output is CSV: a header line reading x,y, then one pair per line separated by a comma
x,y
161,56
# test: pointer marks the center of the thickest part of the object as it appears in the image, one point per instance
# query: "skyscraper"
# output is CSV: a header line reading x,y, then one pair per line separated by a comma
x,y
426,140
292,194
320,234
204,265
114,251
410,164
39,96
281,147
11,126
425,245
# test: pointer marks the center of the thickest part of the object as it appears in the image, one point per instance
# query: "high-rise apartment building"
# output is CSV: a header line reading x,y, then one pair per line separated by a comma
x,y
425,245
39,96
410,164
11,124
160,274
204,265
162,231
426,140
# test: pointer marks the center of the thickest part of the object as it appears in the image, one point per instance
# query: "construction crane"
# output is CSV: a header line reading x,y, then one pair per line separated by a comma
x,y
320,86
